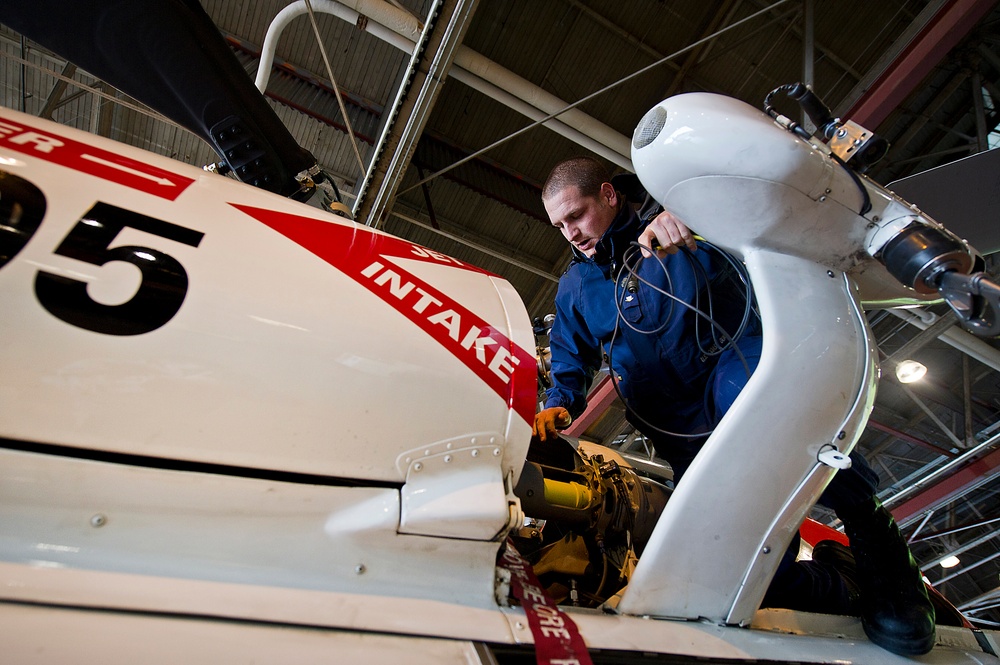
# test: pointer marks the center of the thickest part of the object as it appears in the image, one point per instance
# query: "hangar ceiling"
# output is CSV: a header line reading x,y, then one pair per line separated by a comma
x,y
925,74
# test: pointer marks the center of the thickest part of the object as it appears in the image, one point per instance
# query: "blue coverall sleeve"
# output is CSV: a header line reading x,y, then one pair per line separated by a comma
x,y
576,356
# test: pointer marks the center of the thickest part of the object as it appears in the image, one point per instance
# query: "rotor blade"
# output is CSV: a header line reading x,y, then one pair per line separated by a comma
x,y
963,195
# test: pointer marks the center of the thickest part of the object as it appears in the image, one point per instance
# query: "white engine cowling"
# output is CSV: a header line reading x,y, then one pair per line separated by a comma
x,y
202,320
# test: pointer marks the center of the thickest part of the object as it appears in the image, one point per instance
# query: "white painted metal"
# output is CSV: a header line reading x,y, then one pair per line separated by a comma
x,y
159,478
173,631
84,638
793,215
695,563
271,348
66,513
452,486
276,360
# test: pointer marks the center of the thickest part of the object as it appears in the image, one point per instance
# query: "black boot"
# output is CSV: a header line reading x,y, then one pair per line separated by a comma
x,y
895,610
838,557
824,585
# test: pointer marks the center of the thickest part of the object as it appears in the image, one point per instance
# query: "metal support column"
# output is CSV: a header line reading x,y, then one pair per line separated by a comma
x,y
412,109
808,56
980,107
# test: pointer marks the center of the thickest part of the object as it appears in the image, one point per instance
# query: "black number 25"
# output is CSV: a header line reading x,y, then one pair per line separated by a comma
x,y
164,281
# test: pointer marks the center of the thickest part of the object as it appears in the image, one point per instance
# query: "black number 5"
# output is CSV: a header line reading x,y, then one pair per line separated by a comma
x,y
164,281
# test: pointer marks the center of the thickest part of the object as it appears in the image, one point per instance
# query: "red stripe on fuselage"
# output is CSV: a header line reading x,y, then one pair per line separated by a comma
x,y
366,257
92,160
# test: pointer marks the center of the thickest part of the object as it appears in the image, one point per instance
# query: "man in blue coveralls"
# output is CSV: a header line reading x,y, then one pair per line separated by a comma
x,y
677,374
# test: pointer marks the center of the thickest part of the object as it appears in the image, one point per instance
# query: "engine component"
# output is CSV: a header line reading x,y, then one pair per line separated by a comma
x,y
590,517
856,145
918,255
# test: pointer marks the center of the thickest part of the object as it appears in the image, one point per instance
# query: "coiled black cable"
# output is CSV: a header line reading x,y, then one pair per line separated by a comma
x,y
722,339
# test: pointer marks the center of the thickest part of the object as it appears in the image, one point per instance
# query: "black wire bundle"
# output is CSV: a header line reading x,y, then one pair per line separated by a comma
x,y
722,340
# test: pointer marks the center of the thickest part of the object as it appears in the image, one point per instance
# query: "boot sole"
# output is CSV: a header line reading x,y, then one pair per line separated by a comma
x,y
901,647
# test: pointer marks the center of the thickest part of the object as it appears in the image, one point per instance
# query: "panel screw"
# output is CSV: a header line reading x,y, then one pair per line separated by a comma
x,y
360,569
767,549
829,273
98,520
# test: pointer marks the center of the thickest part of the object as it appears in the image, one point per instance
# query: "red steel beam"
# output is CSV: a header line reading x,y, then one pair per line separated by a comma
x,y
903,436
941,34
603,395
600,398
947,488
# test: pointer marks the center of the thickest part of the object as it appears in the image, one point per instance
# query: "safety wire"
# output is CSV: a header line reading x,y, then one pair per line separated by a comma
x,y
596,93
336,88
721,339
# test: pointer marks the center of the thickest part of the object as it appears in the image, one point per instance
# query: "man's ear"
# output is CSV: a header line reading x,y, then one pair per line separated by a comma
x,y
609,194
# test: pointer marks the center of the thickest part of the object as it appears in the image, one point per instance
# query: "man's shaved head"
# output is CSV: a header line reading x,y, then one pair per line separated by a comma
x,y
585,173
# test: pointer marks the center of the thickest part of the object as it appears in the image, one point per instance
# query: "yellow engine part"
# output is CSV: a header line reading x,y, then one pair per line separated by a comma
x,y
570,495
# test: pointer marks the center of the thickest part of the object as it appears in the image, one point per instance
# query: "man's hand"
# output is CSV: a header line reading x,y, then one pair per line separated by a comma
x,y
669,233
547,421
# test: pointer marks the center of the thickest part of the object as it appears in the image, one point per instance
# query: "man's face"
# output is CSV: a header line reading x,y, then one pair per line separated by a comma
x,y
582,219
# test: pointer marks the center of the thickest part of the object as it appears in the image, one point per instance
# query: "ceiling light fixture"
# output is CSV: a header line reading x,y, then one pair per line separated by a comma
x,y
950,562
908,371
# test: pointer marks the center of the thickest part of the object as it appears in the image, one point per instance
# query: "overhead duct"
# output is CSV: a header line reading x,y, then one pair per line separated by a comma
x,y
400,29
954,336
